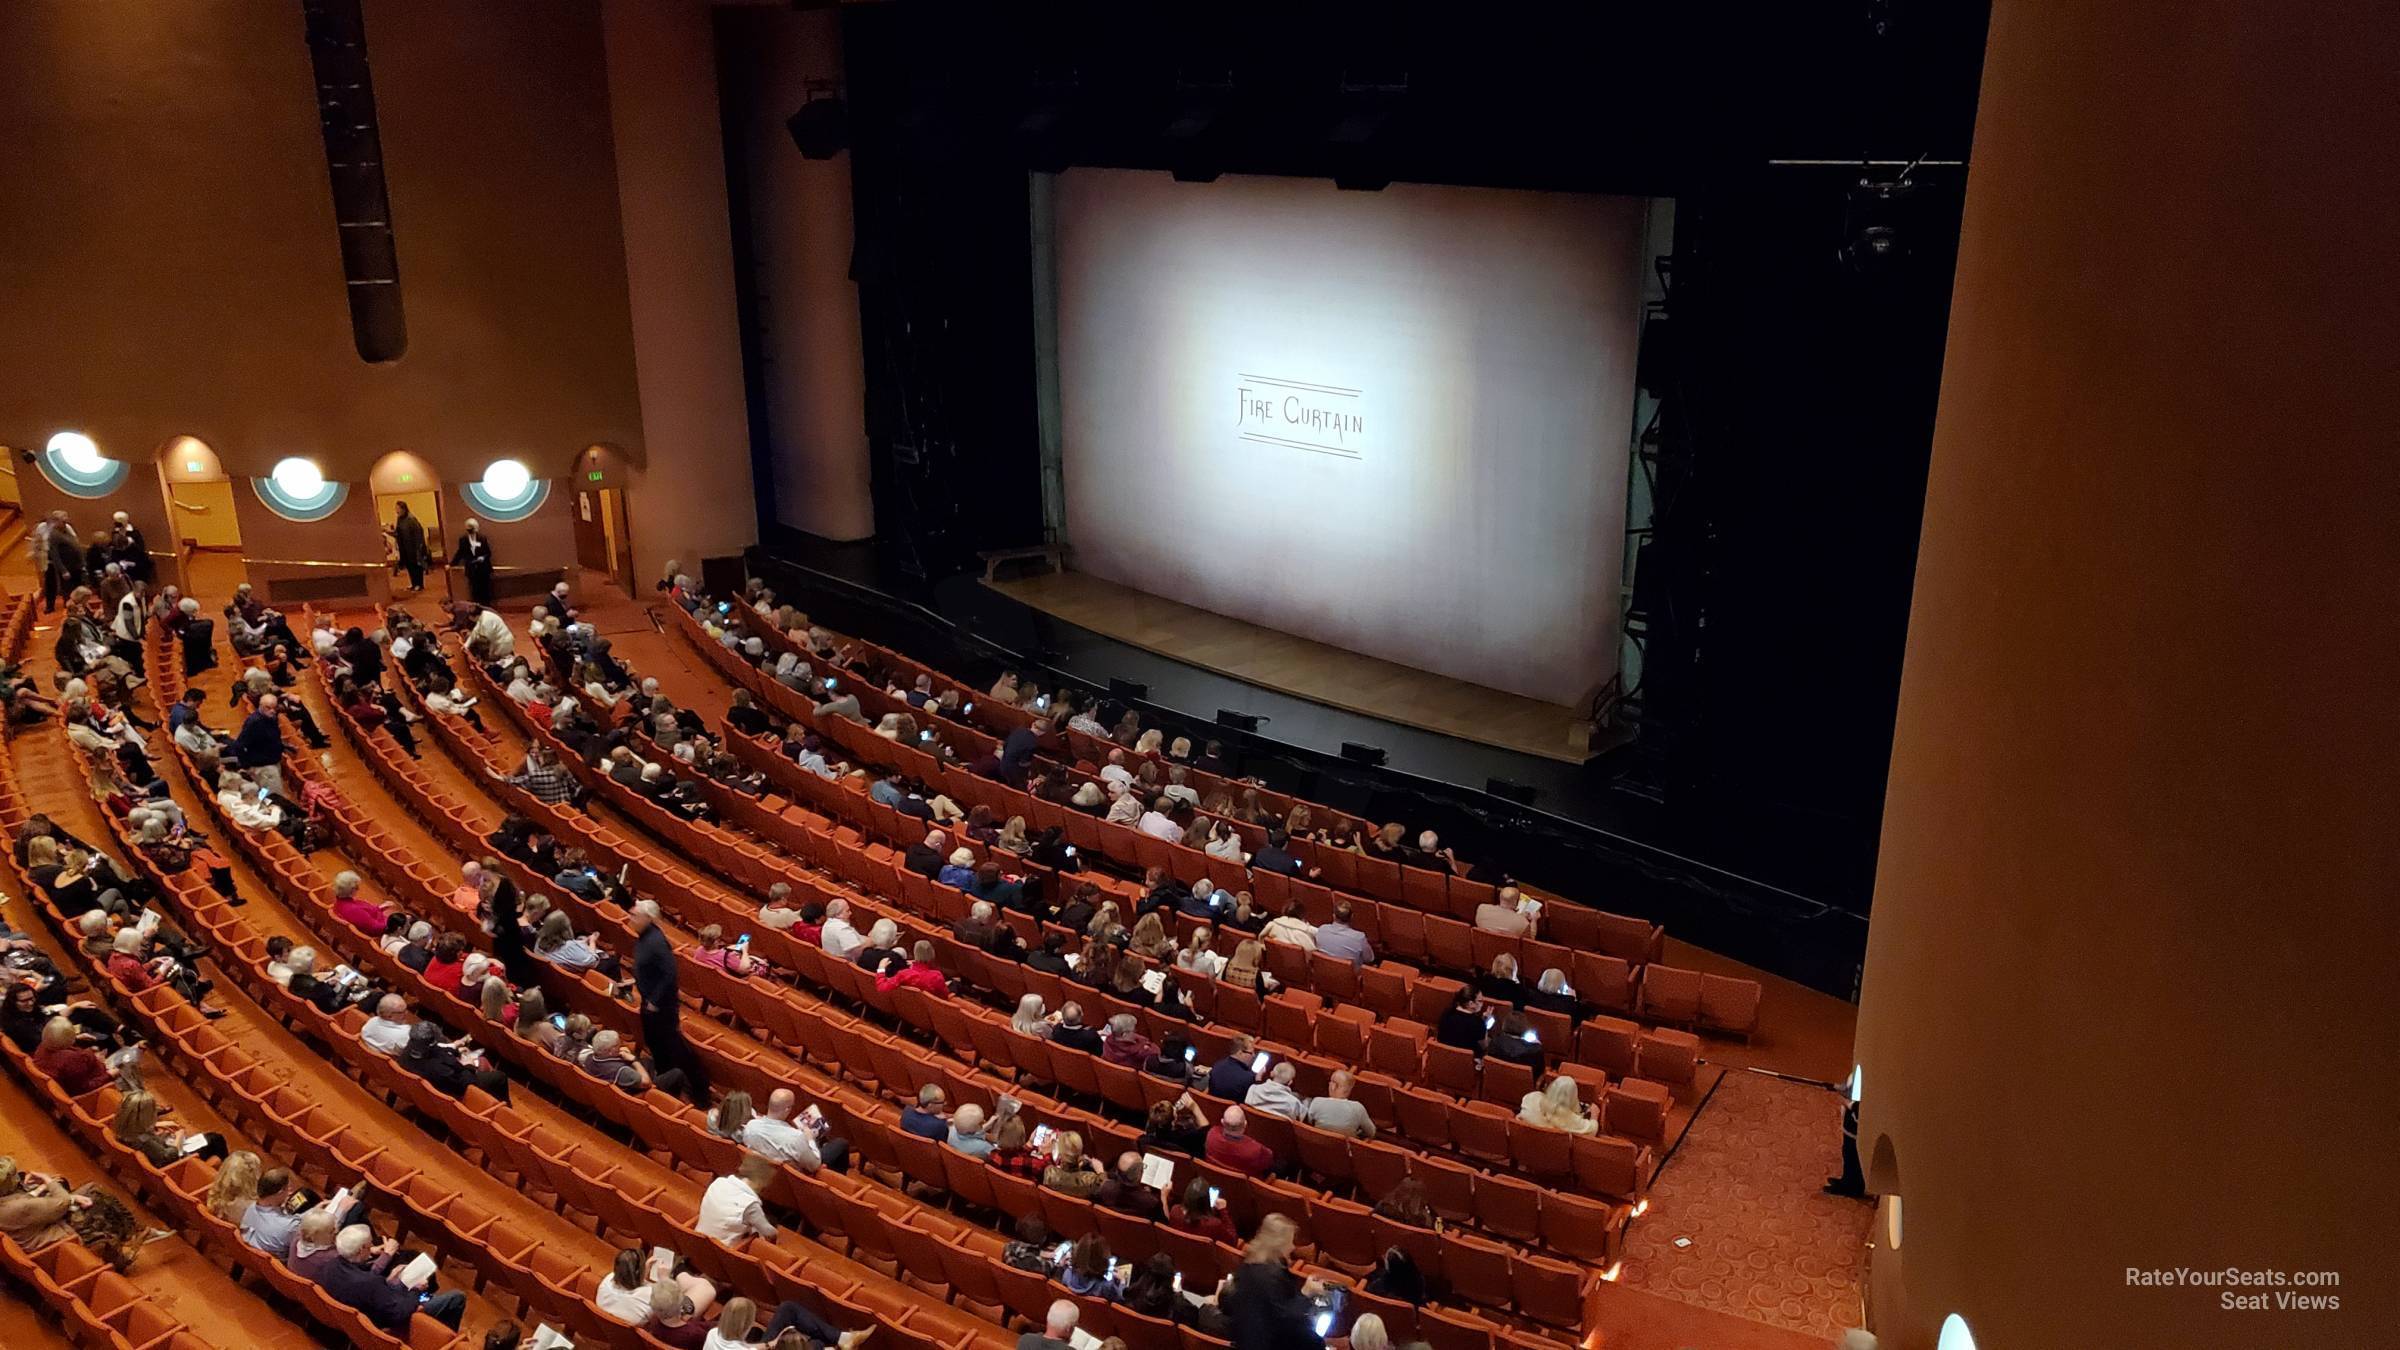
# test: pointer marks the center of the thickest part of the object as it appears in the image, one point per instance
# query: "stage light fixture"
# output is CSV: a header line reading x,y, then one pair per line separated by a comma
x,y
1227,717
821,129
1362,754
1127,691
1196,135
1875,234
1364,128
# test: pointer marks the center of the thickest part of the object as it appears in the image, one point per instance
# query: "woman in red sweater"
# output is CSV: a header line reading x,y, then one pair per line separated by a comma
x,y
76,1069
919,973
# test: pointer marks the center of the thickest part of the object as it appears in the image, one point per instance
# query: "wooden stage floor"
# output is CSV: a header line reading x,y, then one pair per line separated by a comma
x,y
1289,664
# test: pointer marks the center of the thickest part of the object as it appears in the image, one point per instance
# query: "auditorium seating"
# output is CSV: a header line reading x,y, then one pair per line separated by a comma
x,y
930,1016
959,959
1602,954
1568,923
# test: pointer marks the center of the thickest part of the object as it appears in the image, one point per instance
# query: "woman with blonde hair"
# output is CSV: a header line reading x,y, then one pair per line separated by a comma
x,y
533,1020
1149,741
1243,970
494,1000
137,1125
1031,1019
734,1326
1011,838
1150,936
1104,919
1560,1107
1070,1172
236,1186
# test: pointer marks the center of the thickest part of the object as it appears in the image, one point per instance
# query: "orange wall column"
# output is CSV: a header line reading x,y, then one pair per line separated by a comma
x,y
694,498
2128,997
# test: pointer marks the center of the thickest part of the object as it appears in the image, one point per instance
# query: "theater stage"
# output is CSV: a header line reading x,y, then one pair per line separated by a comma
x,y
1290,664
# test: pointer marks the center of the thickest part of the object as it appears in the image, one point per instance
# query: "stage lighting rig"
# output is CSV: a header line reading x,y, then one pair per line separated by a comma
x,y
1199,132
1364,131
1875,234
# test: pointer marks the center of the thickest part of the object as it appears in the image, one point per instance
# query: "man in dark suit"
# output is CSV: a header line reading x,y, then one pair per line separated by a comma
x,y
1124,1191
1230,1077
925,857
1018,748
474,556
1275,855
654,980
1072,1033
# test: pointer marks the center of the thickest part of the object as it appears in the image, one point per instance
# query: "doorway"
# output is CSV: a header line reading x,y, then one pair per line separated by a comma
x,y
207,535
603,540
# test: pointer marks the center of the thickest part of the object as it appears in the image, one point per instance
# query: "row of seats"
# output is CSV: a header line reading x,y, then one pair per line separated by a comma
x,y
1637,1110
1390,987
1604,956
100,1309
623,1199
1370,878
177,1192
1644,1105
899,1067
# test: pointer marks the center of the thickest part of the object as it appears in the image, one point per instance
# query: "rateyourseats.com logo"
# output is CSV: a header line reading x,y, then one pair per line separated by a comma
x,y
2237,1289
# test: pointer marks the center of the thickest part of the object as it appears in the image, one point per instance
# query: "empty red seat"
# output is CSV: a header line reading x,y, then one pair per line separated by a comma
x,y
1345,1234
1291,1014
1636,1109
1551,1292
1729,1004
1397,1046
1601,980
1670,994
1666,1055
1506,1081
1403,934
1480,1130
1451,1069
1478,1269
1607,1044
1581,1228
1540,1152
1344,1038
1508,1206
1451,945
1449,1187
1385,988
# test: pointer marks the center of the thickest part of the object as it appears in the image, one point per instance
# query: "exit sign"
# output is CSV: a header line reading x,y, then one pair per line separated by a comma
x,y
595,475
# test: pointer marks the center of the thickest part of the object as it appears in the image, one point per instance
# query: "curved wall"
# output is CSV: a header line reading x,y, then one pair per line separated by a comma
x,y
2127,999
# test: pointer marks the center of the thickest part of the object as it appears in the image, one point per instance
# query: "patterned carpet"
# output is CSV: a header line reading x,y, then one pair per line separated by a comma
x,y
1766,1244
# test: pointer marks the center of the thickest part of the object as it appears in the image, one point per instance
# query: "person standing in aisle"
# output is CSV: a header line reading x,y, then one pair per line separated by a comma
x,y
408,545
661,998
475,556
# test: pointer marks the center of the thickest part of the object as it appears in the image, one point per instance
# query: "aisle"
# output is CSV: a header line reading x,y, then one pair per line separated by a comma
x,y
1766,1243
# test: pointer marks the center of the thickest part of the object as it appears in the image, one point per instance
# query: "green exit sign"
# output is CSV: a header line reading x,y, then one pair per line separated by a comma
x,y
595,475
